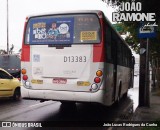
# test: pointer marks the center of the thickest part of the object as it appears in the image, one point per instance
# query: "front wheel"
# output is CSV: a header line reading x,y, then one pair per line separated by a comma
x,y
17,94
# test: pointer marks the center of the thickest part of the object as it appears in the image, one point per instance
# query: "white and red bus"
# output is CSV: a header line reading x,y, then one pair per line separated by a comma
x,y
74,57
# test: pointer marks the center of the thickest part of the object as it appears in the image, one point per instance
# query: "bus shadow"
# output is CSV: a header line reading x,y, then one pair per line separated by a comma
x,y
6,101
91,112
85,116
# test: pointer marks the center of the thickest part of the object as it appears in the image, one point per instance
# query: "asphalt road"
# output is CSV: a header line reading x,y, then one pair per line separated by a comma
x,y
51,111
55,113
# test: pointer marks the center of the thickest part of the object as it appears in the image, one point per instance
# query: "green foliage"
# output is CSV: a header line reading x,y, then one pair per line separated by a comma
x,y
2,52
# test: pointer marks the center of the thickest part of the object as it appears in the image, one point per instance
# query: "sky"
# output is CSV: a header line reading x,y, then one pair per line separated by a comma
x,y
20,9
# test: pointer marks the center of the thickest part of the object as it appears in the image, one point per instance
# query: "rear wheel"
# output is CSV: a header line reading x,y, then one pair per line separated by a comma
x,y
125,95
68,107
67,103
118,100
17,94
118,97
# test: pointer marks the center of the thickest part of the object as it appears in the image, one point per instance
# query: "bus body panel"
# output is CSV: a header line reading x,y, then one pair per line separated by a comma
x,y
54,74
103,96
68,73
62,69
123,77
96,97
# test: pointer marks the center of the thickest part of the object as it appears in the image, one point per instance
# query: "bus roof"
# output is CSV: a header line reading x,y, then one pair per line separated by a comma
x,y
66,12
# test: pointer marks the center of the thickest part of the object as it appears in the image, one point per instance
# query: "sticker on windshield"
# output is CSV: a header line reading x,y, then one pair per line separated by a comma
x,y
51,31
88,35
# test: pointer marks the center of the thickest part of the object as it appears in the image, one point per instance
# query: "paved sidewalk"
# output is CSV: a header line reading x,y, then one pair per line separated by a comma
x,y
143,114
153,112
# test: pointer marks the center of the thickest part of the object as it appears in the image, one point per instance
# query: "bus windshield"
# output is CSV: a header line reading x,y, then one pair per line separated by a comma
x,y
63,29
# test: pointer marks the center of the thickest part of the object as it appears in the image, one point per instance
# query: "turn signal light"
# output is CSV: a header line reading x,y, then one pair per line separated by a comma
x,y
23,71
97,80
99,73
25,77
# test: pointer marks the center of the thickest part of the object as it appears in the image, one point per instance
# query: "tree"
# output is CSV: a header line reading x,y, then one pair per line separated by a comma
x,y
3,52
148,6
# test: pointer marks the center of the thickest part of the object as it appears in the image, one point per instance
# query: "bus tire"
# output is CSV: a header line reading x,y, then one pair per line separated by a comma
x,y
125,95
67,103
68,107
17,94
119,96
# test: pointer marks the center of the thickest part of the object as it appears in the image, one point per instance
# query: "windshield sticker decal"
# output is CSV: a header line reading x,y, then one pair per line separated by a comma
x,y
51,31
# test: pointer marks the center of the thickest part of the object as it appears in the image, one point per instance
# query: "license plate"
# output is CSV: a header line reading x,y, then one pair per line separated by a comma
x,y
59,81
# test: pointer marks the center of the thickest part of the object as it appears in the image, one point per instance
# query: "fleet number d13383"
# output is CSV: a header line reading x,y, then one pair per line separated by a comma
x,y
75,58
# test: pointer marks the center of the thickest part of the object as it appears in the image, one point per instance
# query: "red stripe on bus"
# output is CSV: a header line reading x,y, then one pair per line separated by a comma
x,y
25,55
98,49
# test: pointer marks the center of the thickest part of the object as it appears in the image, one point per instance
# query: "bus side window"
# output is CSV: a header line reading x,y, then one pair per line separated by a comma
x,y
128,57
125,56
132,62
119,52
108,44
